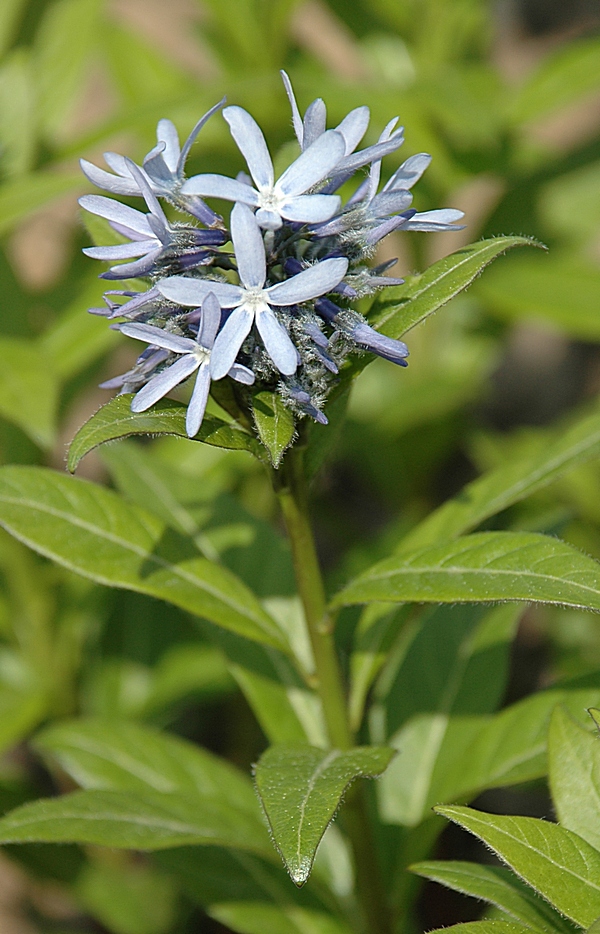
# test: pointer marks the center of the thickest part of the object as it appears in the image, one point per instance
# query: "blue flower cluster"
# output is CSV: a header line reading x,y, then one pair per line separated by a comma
x,y
277,311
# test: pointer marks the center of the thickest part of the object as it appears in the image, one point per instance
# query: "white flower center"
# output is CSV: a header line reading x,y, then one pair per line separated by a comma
x,y
270,199
201,354
255,298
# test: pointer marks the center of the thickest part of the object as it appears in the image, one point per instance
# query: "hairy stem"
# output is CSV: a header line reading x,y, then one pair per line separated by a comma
x,y
291,488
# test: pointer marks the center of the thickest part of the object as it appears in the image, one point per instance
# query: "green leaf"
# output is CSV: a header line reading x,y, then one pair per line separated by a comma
x,y
10,12
497,886
562,290
500,488
510,747
555,862
28,390
20,713
116,420
574,772
95,533
264,918
483,567
149,821
454,670
485,927
274,422
405,306
377,628
120,756
128,899
26,194
301,788
564,78
17,112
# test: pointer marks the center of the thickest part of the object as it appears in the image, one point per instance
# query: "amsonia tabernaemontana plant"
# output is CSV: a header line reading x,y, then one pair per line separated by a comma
x,y
261,317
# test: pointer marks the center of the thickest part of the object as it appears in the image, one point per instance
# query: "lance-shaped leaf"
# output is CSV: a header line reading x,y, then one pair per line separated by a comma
x,y
94,532
275,424
301,788
122,756
555,862
499,887
486,566
116,420
405,306
500,488
485,927
149,821
574,772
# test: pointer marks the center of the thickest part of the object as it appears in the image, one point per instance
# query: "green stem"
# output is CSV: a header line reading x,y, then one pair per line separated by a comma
x,y
291,488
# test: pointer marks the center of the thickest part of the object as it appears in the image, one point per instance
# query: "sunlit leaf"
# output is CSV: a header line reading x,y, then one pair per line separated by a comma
x,y
301,788
28,390
274,422
94,532
116,420
557,863
486,566
574,773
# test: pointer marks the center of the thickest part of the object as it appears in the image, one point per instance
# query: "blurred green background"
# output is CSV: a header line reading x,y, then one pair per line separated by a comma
x,y
506,98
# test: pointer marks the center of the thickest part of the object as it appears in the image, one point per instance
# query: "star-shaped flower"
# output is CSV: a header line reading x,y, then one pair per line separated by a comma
x,y
151,235
195,355
251,301
286,198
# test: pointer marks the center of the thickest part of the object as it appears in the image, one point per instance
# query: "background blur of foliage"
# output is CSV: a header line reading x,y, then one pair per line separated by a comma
x,y
506,97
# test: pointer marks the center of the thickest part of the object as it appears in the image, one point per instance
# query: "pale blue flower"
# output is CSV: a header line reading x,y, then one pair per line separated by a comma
x,y
164,166
151,235
194,356
251,301
286,198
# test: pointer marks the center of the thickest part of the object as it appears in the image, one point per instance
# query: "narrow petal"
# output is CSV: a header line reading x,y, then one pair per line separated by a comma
x,y
353,127
156,168
249,247
311,209
140,267
296,118
315,122
409,172
444,219
314,164
120,250
268,220
119,213
197,404
310,283
218,186
251,143
375,170
277,341
167,133
160,385
112,183
210,321
390,202
192,137
192,292
229,340
117,163
149,197
242,374
158,337
378,151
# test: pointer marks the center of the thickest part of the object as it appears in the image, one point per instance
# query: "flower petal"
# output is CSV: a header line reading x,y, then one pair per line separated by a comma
x,y
197,404
390,202
310,209
296,118
268,220
149,197
277,341
210,321
242,374
409,172
158,337
218,186
140,267
315,122
167,133
160,385
443,219
249,247
378,151
310,283
192,292
119,213
229,340
251,143
117,163
192,137
314,164
353,127
120,250
113,183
